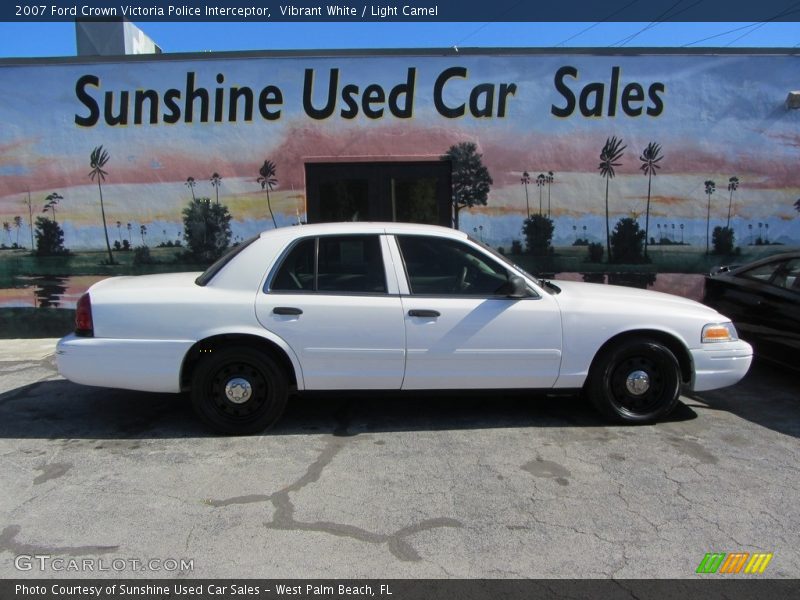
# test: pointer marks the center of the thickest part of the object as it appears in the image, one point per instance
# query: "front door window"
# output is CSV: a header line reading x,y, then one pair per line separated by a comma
x,y
444,267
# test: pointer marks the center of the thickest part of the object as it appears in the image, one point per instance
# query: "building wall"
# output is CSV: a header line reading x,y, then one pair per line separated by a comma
x,y
715,116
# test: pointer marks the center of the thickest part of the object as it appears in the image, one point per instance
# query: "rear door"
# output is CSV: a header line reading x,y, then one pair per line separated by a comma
x,y
331,300
461,332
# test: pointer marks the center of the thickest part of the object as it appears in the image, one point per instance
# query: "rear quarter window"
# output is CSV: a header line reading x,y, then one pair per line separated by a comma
x,y
216,267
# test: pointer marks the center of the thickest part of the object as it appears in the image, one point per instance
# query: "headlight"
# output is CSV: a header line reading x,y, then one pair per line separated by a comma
x,y
719,332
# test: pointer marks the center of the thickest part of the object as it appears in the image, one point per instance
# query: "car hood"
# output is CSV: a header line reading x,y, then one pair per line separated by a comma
x,y
626,298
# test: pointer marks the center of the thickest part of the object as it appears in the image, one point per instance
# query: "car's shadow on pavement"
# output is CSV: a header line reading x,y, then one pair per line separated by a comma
x,y
768,396
60,409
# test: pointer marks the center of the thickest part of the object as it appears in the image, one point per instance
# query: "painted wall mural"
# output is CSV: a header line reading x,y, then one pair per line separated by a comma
x,y
656,164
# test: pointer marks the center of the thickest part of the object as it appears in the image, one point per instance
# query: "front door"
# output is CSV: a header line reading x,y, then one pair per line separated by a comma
x,y
462,332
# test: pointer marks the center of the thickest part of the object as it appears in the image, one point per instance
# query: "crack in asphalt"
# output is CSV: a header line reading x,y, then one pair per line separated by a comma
x,y
698,514
9,543
574,529
630,509
283,518
625,561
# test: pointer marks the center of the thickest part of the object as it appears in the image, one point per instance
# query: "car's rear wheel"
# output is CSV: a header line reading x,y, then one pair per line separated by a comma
x,y
239,391
636,381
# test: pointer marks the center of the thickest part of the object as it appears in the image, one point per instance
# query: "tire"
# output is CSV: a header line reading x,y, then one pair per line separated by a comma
x,y
637,381
255,400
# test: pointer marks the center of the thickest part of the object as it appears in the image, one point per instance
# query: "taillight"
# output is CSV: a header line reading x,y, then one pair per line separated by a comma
x,y
83,317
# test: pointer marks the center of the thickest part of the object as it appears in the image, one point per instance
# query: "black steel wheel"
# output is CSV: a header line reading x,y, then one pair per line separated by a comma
x,y
239,391
636,381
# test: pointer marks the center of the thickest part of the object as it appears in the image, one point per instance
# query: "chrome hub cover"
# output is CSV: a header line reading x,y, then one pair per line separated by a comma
x,y
637,383
238,390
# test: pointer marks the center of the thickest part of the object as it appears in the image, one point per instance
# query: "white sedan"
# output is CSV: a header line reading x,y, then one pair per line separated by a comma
x,y
390,306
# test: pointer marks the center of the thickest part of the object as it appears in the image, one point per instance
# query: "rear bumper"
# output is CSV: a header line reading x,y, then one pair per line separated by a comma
x,y
720,365
145,365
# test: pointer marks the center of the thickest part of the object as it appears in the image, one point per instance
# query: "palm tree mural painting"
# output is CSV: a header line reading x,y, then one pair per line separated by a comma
x,y
710,189
52,201
550,178
129,227
267,180
98,160
216,180
525,180
27,202
18,225
143,233
7,229
190,183
650,158
733,184
540,181
610,155
119,232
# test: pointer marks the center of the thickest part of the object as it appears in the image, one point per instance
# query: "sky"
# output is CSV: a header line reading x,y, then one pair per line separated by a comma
x,y
58,39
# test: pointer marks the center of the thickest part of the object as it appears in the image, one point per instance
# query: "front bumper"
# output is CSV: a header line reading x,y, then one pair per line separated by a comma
x,y
720,365
144,365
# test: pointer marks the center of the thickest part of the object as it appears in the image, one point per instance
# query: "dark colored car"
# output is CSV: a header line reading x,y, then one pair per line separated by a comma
x,y
763,300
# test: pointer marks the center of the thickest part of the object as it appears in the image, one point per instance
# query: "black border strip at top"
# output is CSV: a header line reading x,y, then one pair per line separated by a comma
x,y
407,11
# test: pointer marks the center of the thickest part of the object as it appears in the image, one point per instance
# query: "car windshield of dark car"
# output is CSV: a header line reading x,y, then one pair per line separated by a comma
x,y
787,275
763,273
783,273
792,279
215,268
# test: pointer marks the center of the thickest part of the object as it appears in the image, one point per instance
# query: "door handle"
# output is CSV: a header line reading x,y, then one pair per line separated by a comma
x,y
286,310
423,313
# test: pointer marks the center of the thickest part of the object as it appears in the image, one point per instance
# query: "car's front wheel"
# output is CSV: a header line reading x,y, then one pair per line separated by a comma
x,y
636,381
239,391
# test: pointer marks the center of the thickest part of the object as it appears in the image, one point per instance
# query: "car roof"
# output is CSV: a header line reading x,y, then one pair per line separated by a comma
x,y
361,227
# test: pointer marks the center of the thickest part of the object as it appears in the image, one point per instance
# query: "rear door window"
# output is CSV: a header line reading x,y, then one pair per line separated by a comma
x,y
333,264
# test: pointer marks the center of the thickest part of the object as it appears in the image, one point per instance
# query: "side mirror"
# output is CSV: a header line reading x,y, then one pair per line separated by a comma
x,y
513,288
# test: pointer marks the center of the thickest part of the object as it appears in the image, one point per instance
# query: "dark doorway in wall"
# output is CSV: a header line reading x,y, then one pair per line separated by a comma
x,y
411,192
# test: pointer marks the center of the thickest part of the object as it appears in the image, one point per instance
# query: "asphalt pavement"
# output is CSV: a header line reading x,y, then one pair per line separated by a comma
x,y
126,484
